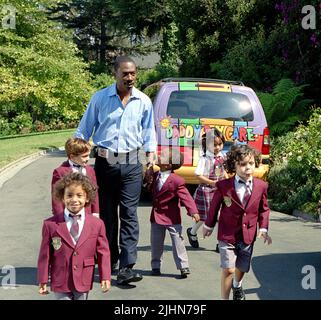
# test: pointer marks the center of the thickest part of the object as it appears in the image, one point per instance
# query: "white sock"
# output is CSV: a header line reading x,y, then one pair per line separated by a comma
x,y
237,284
196,226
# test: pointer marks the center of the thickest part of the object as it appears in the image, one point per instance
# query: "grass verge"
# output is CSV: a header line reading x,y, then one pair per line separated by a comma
x,y
14,148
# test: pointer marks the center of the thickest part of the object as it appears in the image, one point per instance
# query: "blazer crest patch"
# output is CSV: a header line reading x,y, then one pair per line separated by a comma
x,y
56,243
227,201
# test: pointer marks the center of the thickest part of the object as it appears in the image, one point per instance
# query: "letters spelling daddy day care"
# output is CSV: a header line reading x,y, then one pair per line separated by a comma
x,y
230,133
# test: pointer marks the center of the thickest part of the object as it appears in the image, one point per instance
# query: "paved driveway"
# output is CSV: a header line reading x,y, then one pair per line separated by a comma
x,y
276,270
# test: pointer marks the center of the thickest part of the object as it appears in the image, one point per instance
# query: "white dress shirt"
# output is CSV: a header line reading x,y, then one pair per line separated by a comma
x,y
203,169
77,168
240,187
163,175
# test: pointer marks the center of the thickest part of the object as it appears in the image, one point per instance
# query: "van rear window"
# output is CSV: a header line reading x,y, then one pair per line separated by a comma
x,y
209,104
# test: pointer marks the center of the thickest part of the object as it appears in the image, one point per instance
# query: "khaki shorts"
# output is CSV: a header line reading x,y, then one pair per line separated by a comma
x,y
235,256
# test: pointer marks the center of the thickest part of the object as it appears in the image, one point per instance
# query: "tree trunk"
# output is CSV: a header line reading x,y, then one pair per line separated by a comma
x,y
103,39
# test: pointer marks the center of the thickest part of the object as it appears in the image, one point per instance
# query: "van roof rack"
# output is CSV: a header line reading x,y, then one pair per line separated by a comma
x,y
202,80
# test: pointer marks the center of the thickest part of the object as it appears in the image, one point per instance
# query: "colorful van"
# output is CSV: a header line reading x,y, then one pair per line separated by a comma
x,y
185,108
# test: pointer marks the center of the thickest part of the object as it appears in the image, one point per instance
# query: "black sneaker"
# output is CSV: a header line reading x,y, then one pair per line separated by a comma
x,y
156,272
185,272
114,267
238,293
127,275
192,238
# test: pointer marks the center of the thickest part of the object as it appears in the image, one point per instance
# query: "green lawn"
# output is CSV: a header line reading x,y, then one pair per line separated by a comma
x,y
12,149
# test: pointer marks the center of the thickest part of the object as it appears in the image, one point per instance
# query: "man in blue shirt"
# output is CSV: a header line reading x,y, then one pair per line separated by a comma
x,y
121,122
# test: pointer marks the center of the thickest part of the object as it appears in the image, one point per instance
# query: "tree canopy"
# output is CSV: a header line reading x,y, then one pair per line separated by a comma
x,y
42,74
48,60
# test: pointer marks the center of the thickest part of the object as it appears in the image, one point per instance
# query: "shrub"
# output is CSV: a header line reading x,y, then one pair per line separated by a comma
x,y
285,106
22,123
152,90
296,168
147,77
5,128
39,126
102,80
57,125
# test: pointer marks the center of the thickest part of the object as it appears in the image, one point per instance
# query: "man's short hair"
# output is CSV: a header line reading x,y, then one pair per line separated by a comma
x,y
122,59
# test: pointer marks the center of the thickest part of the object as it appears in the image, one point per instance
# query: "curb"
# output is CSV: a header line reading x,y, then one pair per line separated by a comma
x,y
305,216
10,170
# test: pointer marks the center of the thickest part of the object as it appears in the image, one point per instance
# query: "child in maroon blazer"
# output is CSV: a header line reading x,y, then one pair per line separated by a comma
x,y
169,191
242,203
71,241
78,151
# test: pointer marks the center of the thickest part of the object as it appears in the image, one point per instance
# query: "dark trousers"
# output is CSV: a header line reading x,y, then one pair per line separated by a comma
x,y
120,186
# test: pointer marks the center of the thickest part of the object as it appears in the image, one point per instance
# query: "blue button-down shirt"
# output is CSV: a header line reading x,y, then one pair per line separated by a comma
x,y
118,128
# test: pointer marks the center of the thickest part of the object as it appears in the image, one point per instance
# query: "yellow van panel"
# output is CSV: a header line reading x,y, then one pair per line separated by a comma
x,y
196,155
214,87
188,173
221,122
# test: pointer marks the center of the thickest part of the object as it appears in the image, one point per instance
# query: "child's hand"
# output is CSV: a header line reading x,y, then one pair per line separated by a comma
x,y
213,183
43,289
206,232
265,236
96,215
105,285
148,177
196,217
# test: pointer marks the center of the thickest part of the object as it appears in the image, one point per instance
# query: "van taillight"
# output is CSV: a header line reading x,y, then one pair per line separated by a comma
x,y
266,141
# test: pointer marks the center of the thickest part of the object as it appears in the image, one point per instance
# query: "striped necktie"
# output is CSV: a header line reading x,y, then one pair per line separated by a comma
x,y
247,193
158,183
74,230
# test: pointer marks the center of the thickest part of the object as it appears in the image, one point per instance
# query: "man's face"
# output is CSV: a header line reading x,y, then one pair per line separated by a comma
x,y
125,76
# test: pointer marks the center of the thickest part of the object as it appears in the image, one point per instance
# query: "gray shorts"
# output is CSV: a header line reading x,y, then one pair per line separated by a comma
x,y
238,255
